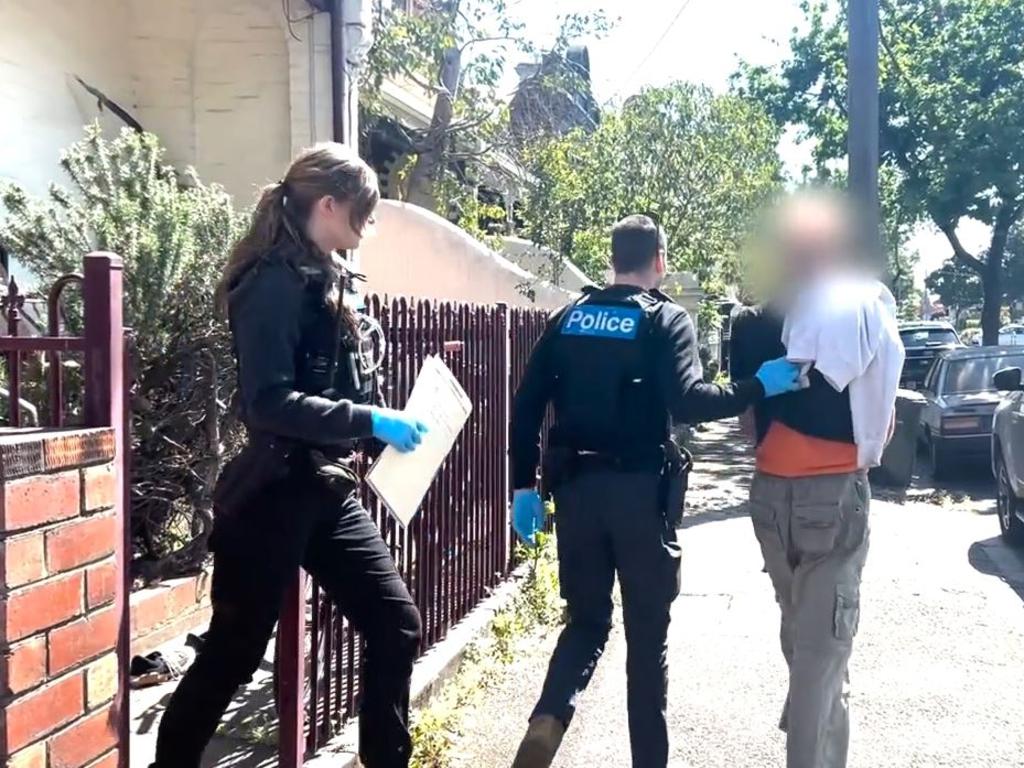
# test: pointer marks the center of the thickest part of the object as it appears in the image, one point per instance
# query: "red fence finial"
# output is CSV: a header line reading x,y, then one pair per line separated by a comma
x,y
12,305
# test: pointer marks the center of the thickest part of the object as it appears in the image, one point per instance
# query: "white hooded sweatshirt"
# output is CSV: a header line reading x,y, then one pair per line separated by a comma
x,y
846,327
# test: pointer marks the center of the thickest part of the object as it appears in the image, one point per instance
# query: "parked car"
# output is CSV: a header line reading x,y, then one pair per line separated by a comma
x,y
961,398
971,337
1011,335
923,342
1008,454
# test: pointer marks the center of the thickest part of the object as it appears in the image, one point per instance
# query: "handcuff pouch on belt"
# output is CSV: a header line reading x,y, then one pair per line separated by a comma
x,y
675,479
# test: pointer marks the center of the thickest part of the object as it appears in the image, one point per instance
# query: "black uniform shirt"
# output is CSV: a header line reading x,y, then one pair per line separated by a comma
x,y
676,389
271,313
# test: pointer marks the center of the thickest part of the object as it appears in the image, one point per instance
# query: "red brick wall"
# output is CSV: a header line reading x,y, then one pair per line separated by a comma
x,y
58,581
167,611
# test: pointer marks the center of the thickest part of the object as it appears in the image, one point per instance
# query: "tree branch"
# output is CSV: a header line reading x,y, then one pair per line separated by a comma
x,y
949,230
105,101
495,39
432,89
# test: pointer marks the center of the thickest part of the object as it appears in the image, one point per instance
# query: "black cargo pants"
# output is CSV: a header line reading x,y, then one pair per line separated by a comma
x,y
611,523
299,521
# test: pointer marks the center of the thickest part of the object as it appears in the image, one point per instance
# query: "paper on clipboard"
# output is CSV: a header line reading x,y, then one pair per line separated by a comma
x,y
401,480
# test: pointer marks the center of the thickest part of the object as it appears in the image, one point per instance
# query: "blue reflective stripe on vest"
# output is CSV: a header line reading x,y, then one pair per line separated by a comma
x,y
604,322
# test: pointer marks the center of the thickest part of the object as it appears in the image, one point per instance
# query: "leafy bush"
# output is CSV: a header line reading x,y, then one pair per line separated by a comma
x,y
173,233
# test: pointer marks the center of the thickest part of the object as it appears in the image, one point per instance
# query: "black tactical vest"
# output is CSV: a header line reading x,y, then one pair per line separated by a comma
x,y
332,360
606,398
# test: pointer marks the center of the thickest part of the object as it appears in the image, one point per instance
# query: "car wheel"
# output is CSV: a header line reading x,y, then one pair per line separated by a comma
x,y
940,461
1008,505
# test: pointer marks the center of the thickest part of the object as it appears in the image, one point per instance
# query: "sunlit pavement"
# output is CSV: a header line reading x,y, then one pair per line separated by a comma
x,y
938,667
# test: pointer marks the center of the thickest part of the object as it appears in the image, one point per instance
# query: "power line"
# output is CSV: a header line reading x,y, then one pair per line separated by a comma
x,y
651,52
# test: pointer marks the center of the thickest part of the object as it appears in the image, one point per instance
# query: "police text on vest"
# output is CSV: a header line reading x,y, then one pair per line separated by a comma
x,y
602,321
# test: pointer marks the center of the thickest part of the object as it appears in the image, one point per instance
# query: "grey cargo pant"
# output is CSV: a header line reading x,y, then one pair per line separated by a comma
x,y
813,532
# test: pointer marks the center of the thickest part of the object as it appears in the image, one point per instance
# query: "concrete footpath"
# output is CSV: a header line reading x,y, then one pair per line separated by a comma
x,y
938,667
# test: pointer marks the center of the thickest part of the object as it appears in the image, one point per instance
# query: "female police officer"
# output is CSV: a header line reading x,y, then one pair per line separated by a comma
x,y
289,499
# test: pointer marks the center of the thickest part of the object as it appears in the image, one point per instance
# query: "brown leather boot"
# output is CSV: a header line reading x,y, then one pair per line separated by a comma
x,y
540,743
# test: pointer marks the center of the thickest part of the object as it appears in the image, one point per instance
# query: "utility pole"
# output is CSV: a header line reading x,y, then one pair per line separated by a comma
x,y
863,109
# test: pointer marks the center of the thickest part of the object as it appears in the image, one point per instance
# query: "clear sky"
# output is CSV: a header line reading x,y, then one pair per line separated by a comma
x,y
699,41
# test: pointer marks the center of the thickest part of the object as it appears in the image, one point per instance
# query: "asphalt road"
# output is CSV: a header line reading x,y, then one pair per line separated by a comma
x,y
938,667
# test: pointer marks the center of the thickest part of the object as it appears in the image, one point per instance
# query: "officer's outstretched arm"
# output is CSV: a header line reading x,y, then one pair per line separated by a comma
x,y
690,399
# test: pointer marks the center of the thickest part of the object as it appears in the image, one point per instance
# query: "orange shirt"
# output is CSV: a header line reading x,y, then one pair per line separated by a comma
x,y
784,452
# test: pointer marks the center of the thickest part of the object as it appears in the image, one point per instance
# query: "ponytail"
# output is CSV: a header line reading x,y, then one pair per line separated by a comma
x,y
269,227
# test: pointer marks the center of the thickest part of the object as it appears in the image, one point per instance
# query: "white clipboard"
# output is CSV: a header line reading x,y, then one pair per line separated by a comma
x,y
401,480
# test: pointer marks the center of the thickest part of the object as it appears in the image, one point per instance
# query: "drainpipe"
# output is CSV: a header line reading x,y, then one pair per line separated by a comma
x,y
339,75
351,38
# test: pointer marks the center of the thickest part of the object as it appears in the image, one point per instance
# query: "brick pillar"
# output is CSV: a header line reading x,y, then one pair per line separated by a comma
x,y
58,581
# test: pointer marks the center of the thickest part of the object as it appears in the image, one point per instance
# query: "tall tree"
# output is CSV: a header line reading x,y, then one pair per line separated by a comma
x,y
703,164
898,220
952,100
1014,282
957,286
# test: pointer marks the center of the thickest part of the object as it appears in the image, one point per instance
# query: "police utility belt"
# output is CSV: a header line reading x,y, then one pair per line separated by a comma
x,y
669,461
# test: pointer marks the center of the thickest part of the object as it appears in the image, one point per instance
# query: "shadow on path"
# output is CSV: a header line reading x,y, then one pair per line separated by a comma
x,y
246,737
993,557
723,465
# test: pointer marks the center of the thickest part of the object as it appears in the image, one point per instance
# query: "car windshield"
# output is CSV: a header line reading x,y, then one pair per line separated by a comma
x,y
975,374
923,337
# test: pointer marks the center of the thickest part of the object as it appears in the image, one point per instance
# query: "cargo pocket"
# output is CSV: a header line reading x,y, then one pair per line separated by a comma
x,y
858,501
766,527
847,613
815,528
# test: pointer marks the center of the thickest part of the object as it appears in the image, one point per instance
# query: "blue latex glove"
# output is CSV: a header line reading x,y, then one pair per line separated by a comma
x,y
778,377
527,514
397,428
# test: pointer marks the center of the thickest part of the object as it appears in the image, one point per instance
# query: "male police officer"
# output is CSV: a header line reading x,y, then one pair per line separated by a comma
x,y
619,365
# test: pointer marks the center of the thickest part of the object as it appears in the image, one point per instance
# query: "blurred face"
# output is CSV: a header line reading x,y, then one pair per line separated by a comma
x,y
807,237
814,239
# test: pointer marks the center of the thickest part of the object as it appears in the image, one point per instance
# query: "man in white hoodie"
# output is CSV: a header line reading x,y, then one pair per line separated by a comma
x,y
809,498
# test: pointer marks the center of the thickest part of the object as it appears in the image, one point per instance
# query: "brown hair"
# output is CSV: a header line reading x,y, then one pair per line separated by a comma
x,y
327,169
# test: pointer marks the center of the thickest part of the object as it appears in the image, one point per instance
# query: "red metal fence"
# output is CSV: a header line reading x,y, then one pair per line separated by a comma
x,y
98,355
459,545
